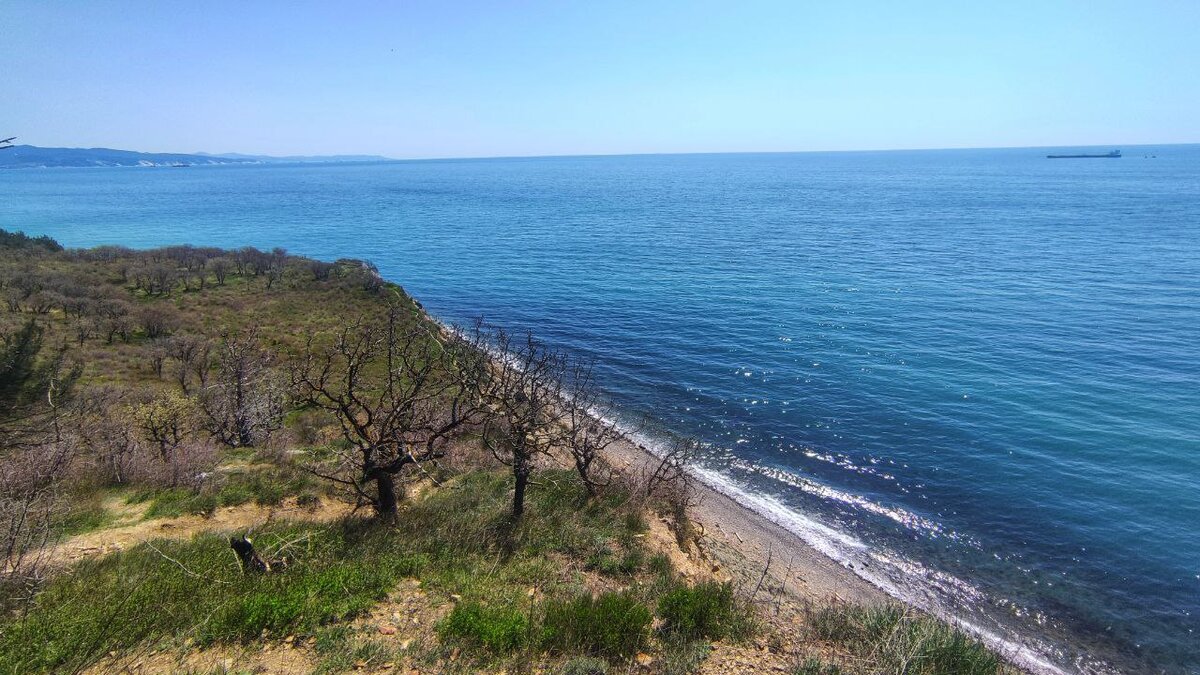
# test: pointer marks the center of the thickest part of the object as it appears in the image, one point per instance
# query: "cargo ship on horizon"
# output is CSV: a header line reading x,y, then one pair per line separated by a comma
x,y
1115,154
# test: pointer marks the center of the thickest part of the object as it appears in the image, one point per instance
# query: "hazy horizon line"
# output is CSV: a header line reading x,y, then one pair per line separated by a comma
x,y
617,154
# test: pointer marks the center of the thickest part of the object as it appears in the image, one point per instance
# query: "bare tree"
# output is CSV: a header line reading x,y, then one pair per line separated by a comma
x,y
220,268
35,450
113,319
166,422
19,350
29,501
157,353
671,482
321,270
113,444
109,441
244,405
525,398
400,389
33,387
160,279
250,260
13,297
276,266
85,329
196,265
41,302
670,476
157,321
590,427
192,353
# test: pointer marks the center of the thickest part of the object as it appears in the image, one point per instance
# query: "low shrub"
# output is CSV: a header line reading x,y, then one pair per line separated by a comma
x,y
709,610
612,625
499,629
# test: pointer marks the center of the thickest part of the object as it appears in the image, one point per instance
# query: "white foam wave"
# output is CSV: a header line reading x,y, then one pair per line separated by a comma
x,y
912,521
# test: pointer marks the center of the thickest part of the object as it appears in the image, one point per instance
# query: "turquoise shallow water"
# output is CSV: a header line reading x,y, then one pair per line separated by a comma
x,y
973,375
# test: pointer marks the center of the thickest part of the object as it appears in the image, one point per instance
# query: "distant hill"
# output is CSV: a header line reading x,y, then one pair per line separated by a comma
x,y
31,157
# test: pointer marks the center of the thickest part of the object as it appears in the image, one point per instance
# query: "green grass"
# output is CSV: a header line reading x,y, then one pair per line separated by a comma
x,y
137,596
684,658
175,502
479,553
458,541
893,639
612,625
498,629
83,521
263,486
613,562
708,610
85,513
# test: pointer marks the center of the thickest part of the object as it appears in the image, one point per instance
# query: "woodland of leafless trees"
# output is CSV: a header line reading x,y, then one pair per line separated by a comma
x,y
406,393
58,437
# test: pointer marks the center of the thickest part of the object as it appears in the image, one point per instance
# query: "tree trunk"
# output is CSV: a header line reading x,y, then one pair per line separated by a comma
x,y
584,468
241,417
521,479
385,485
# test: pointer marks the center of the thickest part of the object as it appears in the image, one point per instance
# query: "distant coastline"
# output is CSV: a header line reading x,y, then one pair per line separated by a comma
x,y
34,157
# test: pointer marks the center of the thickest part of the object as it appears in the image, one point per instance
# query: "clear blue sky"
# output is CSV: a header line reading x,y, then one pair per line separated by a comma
x,y
486,78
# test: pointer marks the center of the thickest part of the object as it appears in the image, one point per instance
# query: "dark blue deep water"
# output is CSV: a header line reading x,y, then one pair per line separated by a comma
x,y
974,371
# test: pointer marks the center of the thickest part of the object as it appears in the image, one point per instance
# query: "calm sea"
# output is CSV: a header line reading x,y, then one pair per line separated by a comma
x,y
973,375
